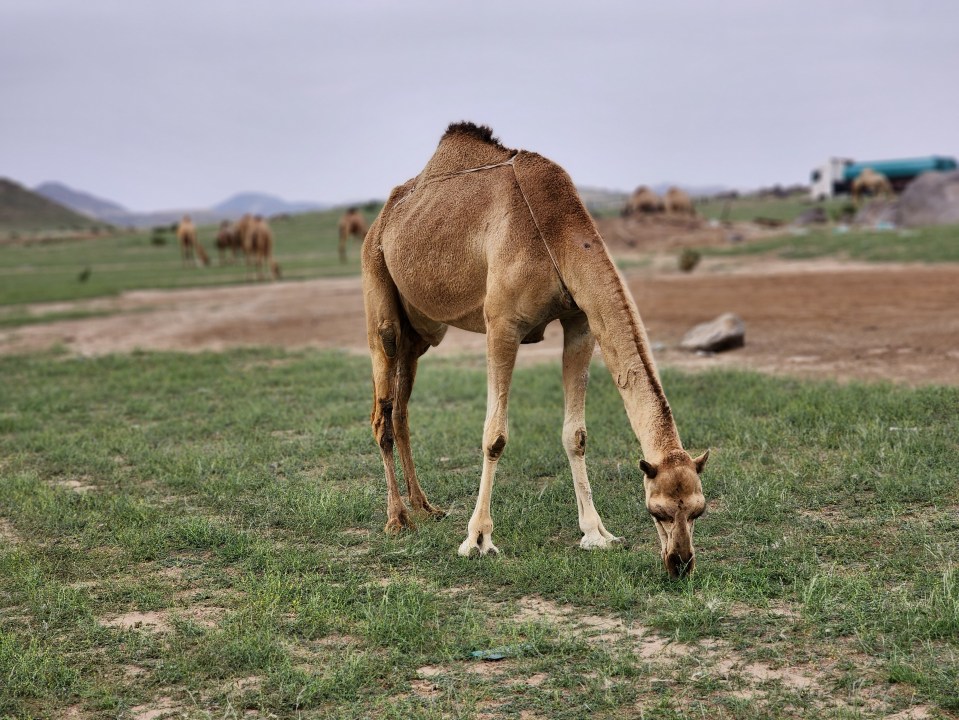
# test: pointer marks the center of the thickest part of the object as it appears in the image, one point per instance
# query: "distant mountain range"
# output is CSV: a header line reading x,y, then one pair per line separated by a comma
x,y
115,214
81,202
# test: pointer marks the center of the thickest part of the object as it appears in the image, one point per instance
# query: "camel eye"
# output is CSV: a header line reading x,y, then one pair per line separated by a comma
x,y
693,516
660,515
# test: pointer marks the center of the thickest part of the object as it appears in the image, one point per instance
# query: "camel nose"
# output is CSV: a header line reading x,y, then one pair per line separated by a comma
x,y
679,567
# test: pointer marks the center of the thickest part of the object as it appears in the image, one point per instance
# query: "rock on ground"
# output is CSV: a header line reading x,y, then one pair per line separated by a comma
x,y
930,199
726,332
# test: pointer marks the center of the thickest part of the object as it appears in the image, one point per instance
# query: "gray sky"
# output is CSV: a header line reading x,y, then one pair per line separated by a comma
x,y
171,103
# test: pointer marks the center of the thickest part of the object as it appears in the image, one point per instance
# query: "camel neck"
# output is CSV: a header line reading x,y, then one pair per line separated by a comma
x,y
615,321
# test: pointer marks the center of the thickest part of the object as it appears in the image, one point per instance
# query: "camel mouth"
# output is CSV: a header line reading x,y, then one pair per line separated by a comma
x,y
677,567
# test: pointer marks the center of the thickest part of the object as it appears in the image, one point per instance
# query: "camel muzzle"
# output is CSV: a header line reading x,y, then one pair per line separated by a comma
x,y
677,566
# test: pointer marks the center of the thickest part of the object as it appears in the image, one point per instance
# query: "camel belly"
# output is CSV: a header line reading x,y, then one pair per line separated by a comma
x,y
438,286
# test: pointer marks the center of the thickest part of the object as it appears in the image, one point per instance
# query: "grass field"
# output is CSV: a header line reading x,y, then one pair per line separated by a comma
x,y
200,535
305,246
927,244
747,208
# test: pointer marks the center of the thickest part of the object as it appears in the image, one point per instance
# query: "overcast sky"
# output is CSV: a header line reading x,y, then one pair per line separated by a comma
x,y
160,104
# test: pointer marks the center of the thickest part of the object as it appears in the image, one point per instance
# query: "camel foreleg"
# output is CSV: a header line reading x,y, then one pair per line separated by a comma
x,y
502,344
578,344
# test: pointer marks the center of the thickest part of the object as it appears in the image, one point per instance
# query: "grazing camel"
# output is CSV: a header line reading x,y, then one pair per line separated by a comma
x,y
262,249
497,241
190,243
643,201
870,182
353,225
678,202
244,232
228,242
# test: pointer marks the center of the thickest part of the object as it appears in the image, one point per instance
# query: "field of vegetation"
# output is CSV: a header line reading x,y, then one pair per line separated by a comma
x,y
201,536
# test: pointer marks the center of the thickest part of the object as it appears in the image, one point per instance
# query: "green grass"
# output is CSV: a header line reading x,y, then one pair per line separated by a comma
x,y
749,207
927,244
241,497
305,247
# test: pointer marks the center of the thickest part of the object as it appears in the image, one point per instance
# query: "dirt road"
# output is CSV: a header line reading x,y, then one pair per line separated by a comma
x,y
815,319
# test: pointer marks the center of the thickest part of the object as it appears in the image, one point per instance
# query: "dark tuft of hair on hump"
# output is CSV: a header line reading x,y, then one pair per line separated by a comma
x,y
480,132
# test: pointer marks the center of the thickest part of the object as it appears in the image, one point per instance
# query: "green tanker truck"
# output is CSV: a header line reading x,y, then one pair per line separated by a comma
x,y
836,175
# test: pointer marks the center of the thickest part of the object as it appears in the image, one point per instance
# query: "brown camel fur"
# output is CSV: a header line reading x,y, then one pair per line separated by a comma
x,y
262,250
678,202
352,225
244,231
644,201
497,241
870,182
190,243
228,242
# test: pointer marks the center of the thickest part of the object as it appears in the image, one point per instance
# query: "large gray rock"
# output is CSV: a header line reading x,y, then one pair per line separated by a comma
x,y
930,199
726,332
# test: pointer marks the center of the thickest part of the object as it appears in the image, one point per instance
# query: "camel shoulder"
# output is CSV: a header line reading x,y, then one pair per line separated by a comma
x,y
552,196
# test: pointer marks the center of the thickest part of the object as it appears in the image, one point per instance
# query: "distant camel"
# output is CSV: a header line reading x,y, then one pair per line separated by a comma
x,y
497,241
870,182
644,201
262,249
353,225
244,231
190,243
678,202
228,242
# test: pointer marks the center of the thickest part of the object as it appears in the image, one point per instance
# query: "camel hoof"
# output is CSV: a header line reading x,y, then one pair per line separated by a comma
x,y
394,526
597,541
486,547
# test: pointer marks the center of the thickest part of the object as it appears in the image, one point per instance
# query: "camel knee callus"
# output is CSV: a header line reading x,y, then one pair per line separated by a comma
x,y
497,241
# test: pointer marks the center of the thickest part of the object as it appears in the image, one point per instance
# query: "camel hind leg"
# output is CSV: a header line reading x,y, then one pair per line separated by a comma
x,y
411,347
394,349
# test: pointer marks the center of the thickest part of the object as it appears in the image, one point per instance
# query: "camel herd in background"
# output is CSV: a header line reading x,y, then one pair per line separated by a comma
x,y
645,201
250,236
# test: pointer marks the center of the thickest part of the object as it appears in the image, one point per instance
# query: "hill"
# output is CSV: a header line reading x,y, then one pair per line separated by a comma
x,y
263,204
81,202
22,209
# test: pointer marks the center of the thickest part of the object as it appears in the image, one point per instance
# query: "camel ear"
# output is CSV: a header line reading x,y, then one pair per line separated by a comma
x,y
701,462
649,470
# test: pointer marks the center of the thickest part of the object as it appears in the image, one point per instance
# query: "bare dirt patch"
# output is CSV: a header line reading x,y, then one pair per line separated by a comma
x,y
79,486
809,319
161,621
7,533
163,707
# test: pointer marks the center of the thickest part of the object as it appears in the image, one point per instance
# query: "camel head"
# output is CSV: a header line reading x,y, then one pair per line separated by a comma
x,y
674,497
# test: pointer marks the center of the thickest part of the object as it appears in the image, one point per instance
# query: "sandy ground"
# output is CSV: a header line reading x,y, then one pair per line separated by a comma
x,y
811,319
